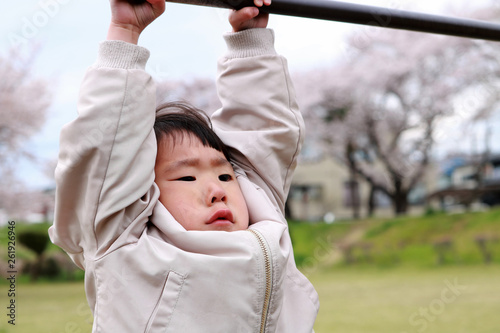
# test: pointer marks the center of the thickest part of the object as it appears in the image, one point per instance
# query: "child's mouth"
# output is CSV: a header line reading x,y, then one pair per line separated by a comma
x,y
221,216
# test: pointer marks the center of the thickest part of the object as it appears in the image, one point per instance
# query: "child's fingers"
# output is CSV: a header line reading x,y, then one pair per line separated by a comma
x,y
260,3
158,5
248,13
238,18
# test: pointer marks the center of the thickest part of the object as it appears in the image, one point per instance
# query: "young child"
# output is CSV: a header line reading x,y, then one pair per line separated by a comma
x,y
197,182
144,198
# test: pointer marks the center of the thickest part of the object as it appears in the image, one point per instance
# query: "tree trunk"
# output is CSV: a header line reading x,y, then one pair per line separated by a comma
x,y
354,198
371,201
400,203
400,198
354,187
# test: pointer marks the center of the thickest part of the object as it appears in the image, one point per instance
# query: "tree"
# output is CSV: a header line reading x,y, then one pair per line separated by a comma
x,y
381,109
37,242
24,101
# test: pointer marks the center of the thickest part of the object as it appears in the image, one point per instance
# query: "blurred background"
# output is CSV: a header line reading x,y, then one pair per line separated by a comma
x,y
394,208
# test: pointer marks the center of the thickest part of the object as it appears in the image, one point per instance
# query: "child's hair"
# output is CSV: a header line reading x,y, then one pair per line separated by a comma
x,y
174,118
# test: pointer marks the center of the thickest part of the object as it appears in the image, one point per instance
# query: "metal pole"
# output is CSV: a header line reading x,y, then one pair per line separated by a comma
x,y
367,15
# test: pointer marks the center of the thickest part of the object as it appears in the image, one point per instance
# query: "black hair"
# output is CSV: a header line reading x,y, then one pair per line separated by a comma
x,y
178,117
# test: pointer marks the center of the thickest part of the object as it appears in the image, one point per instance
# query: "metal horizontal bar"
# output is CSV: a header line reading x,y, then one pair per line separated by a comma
x,y
368,15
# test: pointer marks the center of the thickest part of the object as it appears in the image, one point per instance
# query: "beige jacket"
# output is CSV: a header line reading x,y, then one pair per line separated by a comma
x,y
143,271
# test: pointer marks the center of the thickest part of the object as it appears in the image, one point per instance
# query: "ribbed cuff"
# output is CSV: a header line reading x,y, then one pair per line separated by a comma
x,y
118,54
250,43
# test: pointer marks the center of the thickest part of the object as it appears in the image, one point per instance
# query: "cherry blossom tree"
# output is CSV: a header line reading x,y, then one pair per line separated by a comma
x,y
382,108
24,101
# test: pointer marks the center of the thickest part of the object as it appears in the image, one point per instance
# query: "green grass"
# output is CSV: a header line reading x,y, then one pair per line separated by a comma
x,y
353,300
454,235
403,300
49,308
422,241
394,282
310,239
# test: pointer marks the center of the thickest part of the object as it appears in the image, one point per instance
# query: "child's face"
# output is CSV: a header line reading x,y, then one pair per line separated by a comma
x,y
198,185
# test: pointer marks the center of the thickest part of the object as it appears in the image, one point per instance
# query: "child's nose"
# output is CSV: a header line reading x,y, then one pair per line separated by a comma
x,y
216,194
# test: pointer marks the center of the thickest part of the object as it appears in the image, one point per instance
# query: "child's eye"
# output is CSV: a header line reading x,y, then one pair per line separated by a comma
x,y
187,179
225,178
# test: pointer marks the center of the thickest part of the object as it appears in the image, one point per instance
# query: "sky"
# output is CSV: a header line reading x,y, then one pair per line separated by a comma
x,y
185,43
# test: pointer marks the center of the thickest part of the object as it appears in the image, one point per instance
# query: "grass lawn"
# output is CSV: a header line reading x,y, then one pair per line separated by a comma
x,y
442,300
49,307
458,299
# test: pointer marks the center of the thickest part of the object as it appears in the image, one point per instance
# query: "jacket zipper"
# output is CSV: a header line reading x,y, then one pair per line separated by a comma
x,y
269,272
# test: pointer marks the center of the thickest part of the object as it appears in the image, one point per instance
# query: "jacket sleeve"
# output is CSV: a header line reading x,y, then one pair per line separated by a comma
x,y
259,118
104,176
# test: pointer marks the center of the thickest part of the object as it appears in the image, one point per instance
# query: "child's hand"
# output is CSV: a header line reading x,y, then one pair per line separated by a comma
x,y
130,17
249,17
